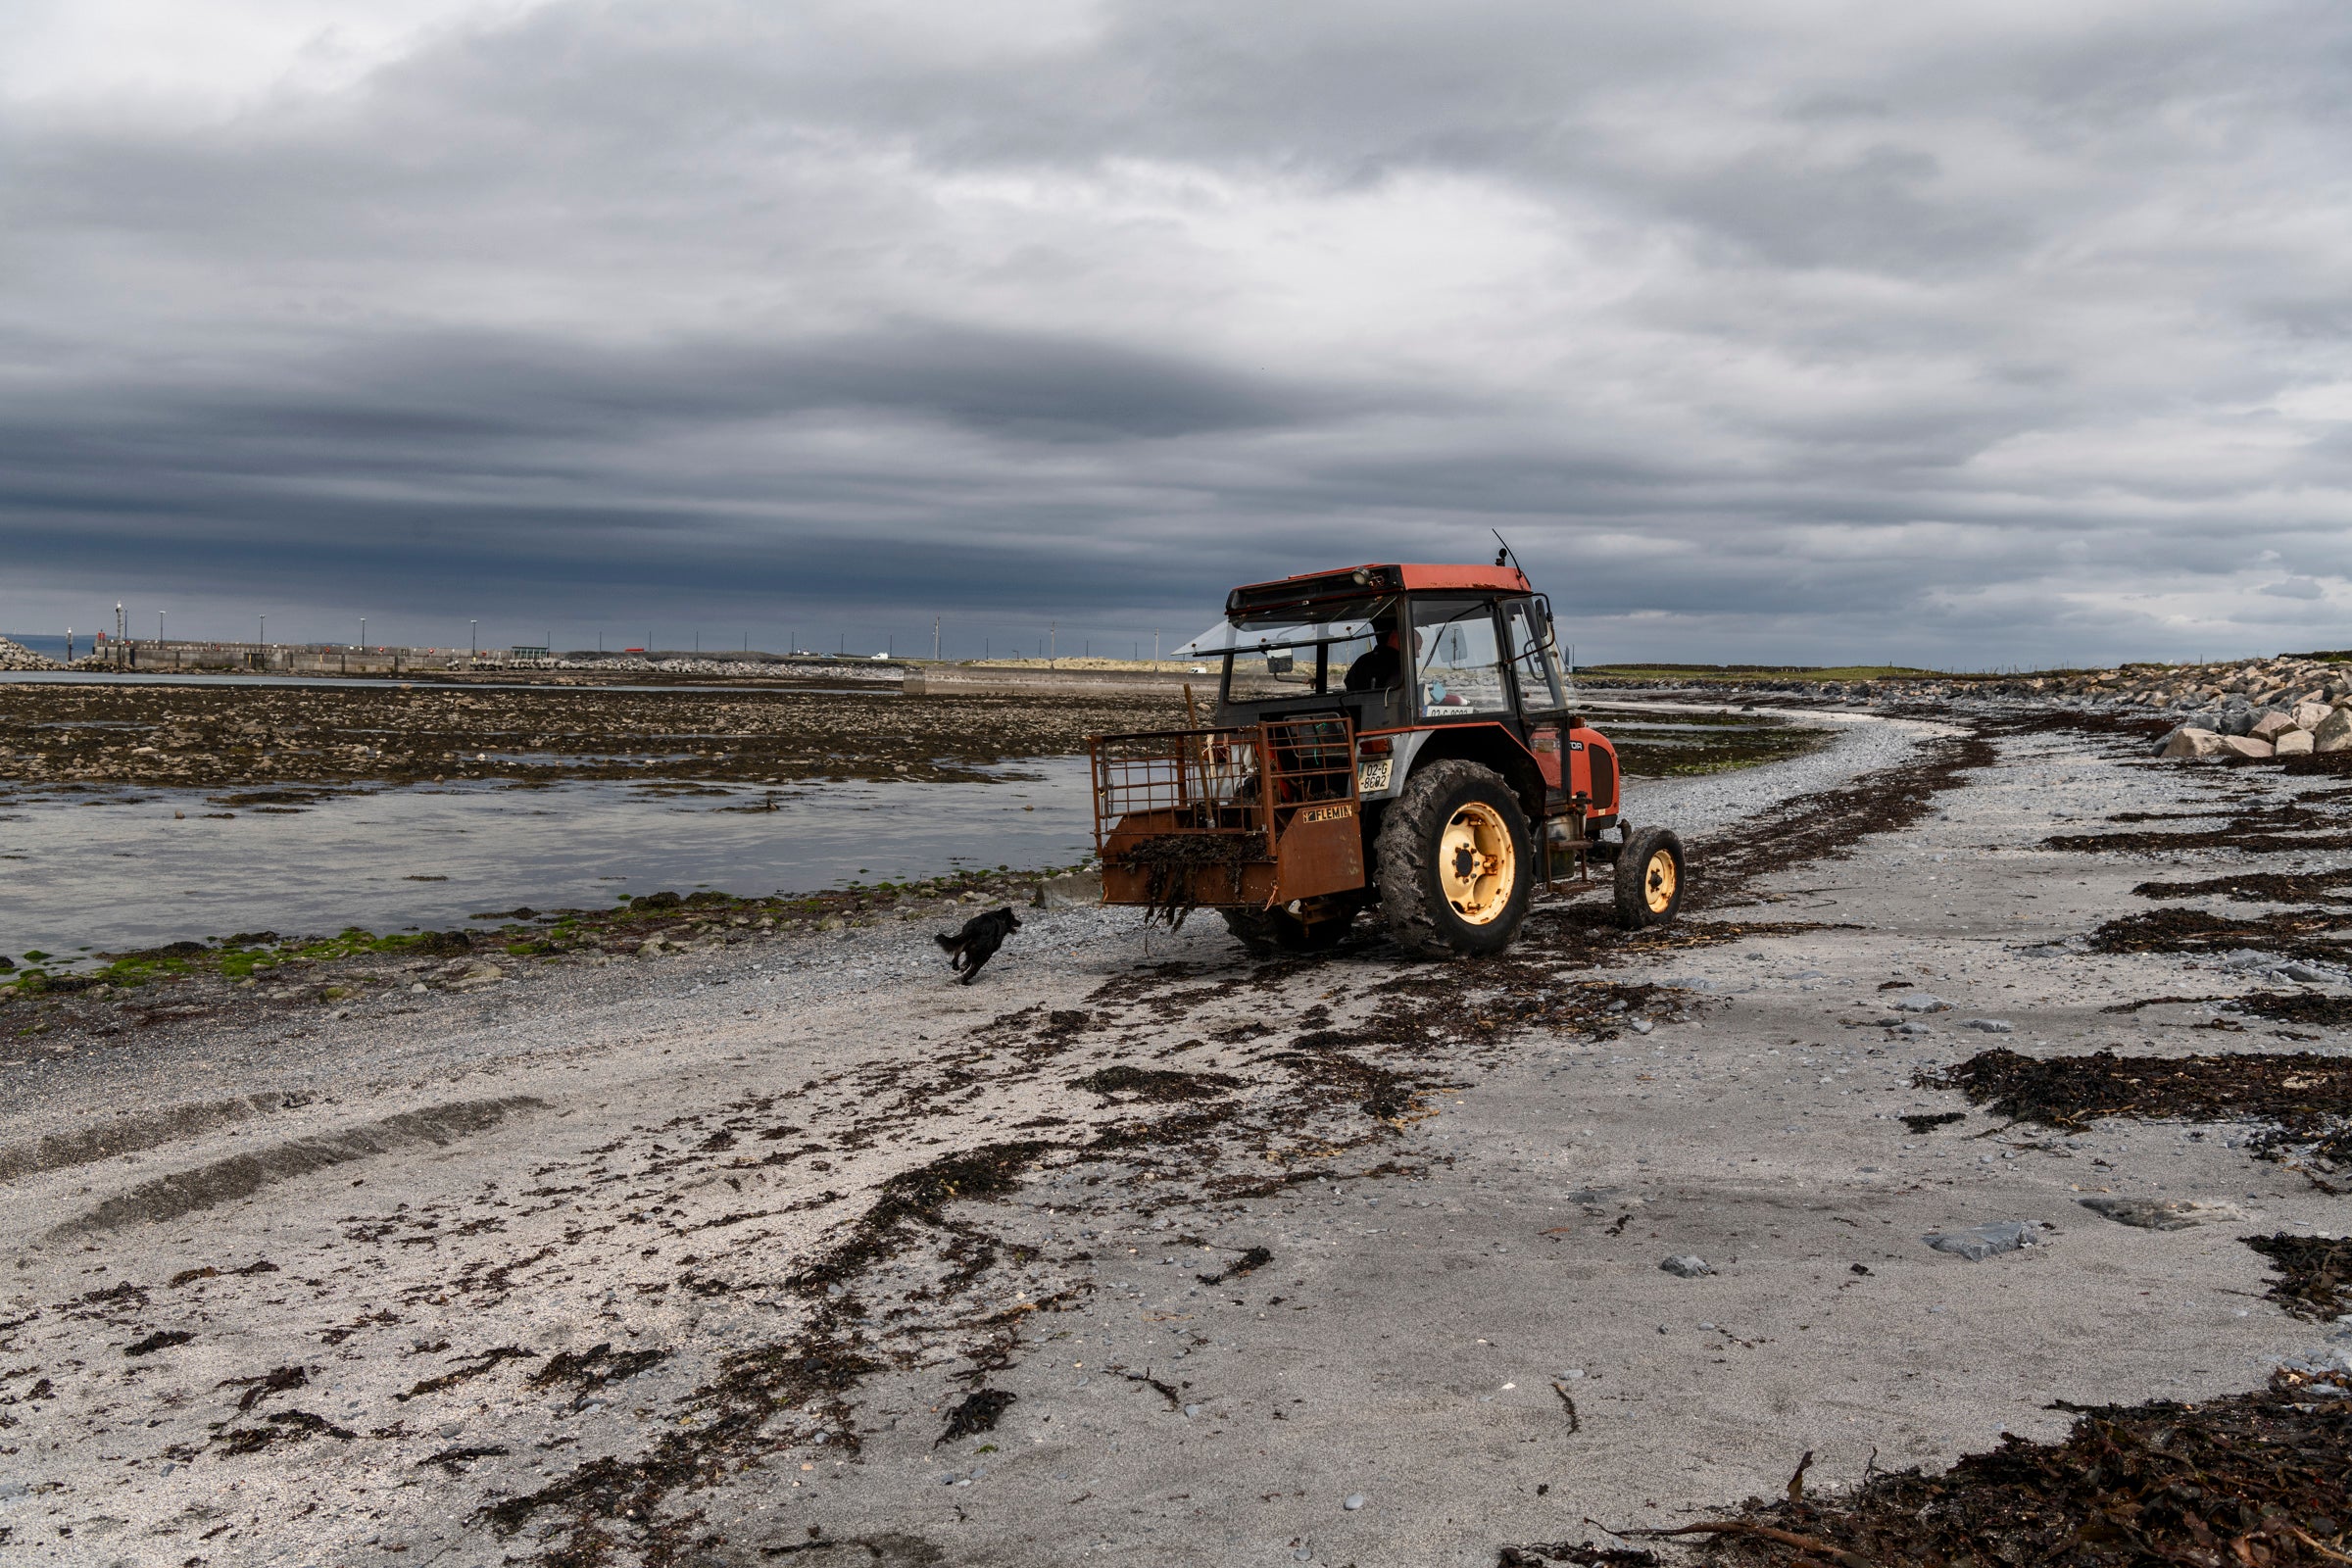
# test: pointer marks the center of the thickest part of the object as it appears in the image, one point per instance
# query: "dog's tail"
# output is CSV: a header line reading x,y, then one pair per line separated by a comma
x,y
947,943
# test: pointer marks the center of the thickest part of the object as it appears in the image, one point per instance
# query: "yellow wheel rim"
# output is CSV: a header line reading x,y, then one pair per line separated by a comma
x,y
1477,865
1657,882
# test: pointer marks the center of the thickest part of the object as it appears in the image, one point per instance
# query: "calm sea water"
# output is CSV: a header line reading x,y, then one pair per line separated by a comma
x,y
96,873
116,870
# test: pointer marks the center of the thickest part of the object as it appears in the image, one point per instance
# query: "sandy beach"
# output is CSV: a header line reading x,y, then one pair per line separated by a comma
x,y
1140,1251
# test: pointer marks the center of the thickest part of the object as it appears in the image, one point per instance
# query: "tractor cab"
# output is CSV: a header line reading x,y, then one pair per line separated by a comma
x,y
1393,734
1405,652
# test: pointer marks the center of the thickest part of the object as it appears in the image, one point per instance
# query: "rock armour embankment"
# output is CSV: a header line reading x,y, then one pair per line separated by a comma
x,y
16,657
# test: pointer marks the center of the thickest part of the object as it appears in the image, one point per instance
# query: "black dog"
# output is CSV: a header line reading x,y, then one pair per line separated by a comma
x,y
977,943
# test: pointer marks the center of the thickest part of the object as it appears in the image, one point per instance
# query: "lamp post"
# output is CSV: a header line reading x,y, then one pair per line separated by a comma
x,y
158,626
263,620
473,639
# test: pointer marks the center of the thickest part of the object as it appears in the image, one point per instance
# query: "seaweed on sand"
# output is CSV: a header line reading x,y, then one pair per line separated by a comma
x,y
979,1412
720,1430
2297,1006
1825,824
1149,1083
2261,1478
2315,1273
594,1368
2255,887
2305,1099
2296,934
918,1199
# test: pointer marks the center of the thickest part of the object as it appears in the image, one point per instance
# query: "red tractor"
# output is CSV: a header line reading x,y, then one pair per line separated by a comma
x,y
1397,735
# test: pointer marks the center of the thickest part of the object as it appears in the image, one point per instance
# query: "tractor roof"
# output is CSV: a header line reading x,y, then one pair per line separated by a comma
x,y
1309,586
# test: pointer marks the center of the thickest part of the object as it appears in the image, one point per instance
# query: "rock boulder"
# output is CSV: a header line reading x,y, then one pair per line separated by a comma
x,y
2190,741
2271,725
2244,746
2335,732
2294,743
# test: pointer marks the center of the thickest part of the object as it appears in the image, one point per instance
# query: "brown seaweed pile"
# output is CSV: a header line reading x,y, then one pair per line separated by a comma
x,y
2303,1102
2257,887
1172,864
2315,1273
2296,934
2267,829
2260,1480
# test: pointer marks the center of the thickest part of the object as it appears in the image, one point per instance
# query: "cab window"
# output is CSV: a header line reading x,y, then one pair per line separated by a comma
x,y
1532,661
1457,659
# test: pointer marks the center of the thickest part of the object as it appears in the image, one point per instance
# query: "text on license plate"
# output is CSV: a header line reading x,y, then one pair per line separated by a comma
x,y
1374,776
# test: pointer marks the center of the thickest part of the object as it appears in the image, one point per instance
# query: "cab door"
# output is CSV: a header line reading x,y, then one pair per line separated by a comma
x,y
1536,684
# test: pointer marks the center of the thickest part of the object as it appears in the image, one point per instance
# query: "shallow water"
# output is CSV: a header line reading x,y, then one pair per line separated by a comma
x,y
113,870
788,682
78,876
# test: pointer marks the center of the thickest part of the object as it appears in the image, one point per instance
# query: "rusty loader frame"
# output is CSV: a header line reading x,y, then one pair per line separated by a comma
x,y
1249,816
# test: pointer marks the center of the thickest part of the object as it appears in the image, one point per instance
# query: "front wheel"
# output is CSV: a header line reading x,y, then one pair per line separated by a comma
x,y
1649,878
1456,861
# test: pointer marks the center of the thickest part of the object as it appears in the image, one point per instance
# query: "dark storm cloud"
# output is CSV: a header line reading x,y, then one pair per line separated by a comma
x,y
1829,331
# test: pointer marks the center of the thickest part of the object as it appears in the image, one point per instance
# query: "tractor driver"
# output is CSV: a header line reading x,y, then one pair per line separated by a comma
x,y
1380,669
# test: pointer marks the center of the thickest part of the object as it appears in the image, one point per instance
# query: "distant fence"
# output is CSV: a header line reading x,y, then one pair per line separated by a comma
x,y
975,680
156,658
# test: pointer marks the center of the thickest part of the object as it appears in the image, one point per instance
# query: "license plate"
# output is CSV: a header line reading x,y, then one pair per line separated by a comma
x,y
1375,776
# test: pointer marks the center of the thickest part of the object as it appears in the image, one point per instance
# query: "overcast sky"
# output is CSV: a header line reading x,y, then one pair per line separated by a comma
x,y
1976,334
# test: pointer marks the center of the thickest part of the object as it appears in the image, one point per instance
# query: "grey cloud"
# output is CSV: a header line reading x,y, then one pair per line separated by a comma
x,y
2294,588
1756,331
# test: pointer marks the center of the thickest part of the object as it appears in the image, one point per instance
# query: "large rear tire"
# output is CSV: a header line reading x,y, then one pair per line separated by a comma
x,y
1649,878
1454,863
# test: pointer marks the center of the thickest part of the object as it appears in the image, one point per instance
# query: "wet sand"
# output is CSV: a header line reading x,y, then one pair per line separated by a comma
x,y
770,1246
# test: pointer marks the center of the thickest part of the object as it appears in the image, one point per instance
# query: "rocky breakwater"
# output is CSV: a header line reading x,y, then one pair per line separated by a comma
x,y
16,656
2244,730
2295,705
2227,698
2283,707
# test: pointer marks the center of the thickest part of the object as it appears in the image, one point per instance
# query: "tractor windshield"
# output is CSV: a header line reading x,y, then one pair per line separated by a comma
x,y
1460,665
1294,652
